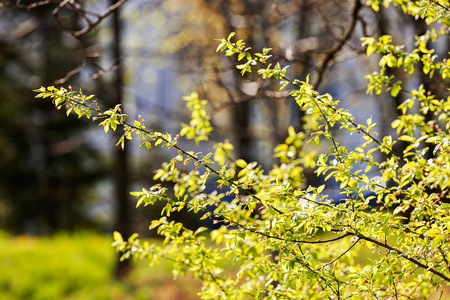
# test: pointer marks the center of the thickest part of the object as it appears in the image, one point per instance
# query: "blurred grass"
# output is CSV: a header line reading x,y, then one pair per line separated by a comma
x,y
80,266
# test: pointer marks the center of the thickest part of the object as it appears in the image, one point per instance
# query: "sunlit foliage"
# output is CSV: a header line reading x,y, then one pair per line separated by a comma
x,y
291,241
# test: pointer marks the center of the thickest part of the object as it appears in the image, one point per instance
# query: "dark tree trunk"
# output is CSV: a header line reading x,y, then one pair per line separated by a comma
x,y
121,178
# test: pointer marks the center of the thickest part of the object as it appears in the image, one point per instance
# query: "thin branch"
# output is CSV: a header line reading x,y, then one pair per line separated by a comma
x,y
274,95
28,6
337,258
106,13
354,19
440,4
76,8
401,254
318,276
71,73
85,57
444,258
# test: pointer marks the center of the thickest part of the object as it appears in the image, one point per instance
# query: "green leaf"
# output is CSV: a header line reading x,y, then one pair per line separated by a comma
x,y
241,163
407,138
371,49
117,236
230,36
320,188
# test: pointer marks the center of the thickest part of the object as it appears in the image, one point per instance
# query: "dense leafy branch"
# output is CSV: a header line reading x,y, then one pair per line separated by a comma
x,y
302,93
275,228
402,255
78,102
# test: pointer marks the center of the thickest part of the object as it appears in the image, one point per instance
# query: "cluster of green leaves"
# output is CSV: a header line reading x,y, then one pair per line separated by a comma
x,y
430,10
290,241
199,127
393,56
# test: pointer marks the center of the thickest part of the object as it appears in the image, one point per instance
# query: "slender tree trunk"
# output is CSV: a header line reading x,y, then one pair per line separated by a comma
x,y
121,178
241,130
389,109
420,28
303,19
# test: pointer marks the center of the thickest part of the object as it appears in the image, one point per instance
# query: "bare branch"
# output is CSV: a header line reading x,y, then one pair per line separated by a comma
x,y
337,258
357,7
17,4
70,73
106,13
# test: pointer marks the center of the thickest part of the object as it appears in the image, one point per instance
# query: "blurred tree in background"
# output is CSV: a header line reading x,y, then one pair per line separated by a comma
x,y
47,168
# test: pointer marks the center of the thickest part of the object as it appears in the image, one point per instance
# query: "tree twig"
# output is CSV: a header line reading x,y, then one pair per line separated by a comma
x,y
337,258
354,19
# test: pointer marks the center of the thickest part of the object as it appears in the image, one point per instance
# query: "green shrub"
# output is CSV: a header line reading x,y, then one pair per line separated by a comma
x,y
77,266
